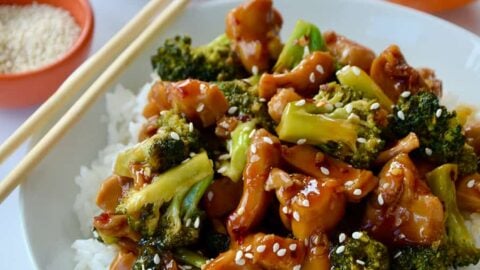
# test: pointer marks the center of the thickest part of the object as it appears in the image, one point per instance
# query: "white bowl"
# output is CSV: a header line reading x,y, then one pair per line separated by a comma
x,y
48,194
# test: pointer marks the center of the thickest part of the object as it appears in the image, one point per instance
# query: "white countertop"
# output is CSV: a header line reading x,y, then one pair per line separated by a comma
x,y
13,250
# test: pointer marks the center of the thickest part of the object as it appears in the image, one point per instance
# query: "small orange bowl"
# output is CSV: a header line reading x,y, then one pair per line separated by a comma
x,y
35,86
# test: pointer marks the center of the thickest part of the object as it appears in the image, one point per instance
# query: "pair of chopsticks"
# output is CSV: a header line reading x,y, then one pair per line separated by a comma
x,y
77,81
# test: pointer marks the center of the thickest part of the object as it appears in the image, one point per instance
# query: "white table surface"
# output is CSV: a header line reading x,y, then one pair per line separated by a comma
x,y
110,15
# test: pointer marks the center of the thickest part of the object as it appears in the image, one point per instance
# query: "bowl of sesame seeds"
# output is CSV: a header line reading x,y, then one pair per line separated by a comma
x,y
41,43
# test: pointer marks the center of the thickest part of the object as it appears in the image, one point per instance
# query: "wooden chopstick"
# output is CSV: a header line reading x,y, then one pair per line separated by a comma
x,y
85,73
105,80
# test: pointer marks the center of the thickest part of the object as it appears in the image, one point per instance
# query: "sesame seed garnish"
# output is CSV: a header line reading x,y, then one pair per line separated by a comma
x,y
438,113
254,158
192,154
306,203
357,192
361,140
251,133
340,250
325,170
353,117
297,267
267,140
262,99
342,237
360,262
349,108
224,125
249,255
428,151
281,252
188,222
319,68
224,157
275,247
285,210
401,115
301,141
241,210
203,88
200,107
232,110
210,195
222,169
253,149
306,51
299,103
185,160
356,71
349,183
357,235
240,262
156,259
405,94
296,216
238,255
471,183
312,77
401,236
174,135
397,255
196,224
375,106
292,247
380,199
254,70
385,185
261,248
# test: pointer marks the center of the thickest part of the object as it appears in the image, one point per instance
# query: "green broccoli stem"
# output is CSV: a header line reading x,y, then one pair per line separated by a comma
x,y
301,122
189,257
193,197
238,147
174,210
218,42
294,49
442,182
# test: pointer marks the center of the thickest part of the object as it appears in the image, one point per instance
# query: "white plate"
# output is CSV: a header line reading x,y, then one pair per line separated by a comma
x,y
48,194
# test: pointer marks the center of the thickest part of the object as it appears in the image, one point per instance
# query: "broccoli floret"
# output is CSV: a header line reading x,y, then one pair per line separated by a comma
x,y
467,161
215,243
151,255
433,257
174,140
359,253
237,147
458,243
357,138
305,38
178,60
143,206
189,257
180,224
439,132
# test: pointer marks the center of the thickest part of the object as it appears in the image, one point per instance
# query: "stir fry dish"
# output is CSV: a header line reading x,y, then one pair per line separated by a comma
x,y
309,153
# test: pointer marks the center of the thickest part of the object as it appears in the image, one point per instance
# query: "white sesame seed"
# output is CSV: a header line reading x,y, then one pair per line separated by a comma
x,y
375,106
438,113
196,224
349,108
401,236
267,140
342,237
249,255
349,183
251,133
471,183
357,235
285,210
210,195
301,102
361,140
254,70
380,199
319,68
224,125
275,247
301,141
238,255
174,135
232,110
222,169
200,107
261,248
401,115
240,262
281,252
248,248
357,192
405,94
203,88
306,51
356,71
190,127
397,255
297,267
306,203
253,148
385,185
254,158
292,247
353,117
428,151
188,222
262,99
325,170
340,250
156,259
360,262
186,160
224,157
296,216
312,77
192,154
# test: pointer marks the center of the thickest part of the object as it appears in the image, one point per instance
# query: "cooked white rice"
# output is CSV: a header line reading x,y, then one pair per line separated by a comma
x,y
124,120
